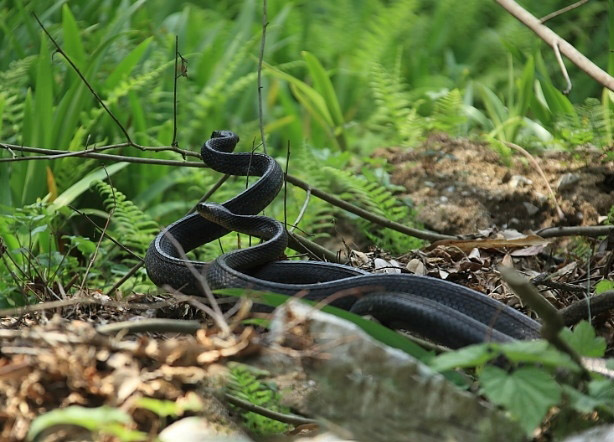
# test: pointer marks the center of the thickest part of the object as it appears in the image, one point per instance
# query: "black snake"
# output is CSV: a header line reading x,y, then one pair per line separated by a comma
x,y
447,313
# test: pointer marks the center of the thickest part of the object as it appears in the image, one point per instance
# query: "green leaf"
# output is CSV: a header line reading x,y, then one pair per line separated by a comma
x,y
84,245
127,64
69,195
580,401
308,96
94,419
527,393
377,331
43,95
494,106
72,37
525,87
584,340
537,351
471,356
324,86
603,390
160,407
603,286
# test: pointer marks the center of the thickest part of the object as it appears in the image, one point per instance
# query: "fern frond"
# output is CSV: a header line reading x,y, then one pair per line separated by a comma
x,y
392,102
13,80
383,32
448,113
129,224
367,192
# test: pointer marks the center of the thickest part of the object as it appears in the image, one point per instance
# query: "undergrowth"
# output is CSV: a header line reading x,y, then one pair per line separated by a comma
x,y
246,383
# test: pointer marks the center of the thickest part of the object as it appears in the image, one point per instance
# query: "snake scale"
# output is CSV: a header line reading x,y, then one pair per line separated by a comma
x,y
442,311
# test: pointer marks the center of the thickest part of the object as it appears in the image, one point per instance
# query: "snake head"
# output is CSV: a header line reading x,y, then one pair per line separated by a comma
x,y
223,140
213,212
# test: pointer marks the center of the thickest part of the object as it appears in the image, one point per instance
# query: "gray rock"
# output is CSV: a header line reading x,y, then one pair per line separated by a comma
x,y
374,393
604,433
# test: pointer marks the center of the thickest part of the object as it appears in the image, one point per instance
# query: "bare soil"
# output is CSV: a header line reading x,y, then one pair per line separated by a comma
x,y
460,186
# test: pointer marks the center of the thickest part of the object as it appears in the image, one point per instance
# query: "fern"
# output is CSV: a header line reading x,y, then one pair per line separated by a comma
x,y
392,111
13,81
129,224
214,94
588,125
383,32
245,383
448,113
366,191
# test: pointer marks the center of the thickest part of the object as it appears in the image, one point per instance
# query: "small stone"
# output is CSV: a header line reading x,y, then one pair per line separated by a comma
x,y
567,181
416,267
530,208
520,181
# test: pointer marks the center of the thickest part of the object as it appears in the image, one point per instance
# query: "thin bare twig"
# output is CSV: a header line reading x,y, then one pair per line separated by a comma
x,y
379,220
51,154
585,308
370,216
106,234
302,244
49,305
552,321
135,268
214,311
175,77
535,164
66,153
575,5
104,229
260,59
87,84
154,325
301,213
590,231
551,38
210,192
291,419
286,187
559,59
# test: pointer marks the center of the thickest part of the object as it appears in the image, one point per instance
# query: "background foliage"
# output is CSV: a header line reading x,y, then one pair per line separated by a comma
x,y
340,78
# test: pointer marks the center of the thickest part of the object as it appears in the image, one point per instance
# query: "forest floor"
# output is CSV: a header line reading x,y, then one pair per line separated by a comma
x,y
457,187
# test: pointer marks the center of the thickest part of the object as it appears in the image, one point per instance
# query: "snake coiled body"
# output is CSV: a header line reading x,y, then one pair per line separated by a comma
x,y
447,313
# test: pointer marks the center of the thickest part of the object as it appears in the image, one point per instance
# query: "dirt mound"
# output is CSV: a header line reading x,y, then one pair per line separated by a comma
x,y
461,186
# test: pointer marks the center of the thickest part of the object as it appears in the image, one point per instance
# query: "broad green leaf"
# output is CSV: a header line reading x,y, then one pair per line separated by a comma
x,y
603,286
557,102
86,246
603,390
43,95
525,87
527,393
584,340
72,45
77,98
2,105
494,107
82,185
324,86
471,356
537,351
125,67
373,329
579,401
308,96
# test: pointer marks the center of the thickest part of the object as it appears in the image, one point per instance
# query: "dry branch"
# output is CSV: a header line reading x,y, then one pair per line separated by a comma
x,y
552,39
